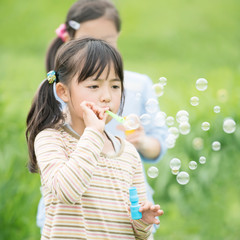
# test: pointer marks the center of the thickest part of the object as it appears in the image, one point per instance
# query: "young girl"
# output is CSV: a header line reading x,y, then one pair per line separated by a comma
x,y
86,172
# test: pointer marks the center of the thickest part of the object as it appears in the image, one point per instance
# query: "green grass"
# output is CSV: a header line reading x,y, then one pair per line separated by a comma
x,y
180,39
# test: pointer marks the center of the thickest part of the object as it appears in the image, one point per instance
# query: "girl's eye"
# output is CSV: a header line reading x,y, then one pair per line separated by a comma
x,y
116,86
93,86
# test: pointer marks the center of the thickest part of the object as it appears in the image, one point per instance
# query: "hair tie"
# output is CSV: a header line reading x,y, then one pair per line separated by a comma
x,y
51,77
73,24
60,31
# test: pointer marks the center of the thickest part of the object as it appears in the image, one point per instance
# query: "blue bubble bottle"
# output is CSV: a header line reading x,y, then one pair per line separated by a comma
x,y
134,204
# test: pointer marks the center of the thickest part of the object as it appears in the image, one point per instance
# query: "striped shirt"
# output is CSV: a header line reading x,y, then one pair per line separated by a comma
x,y
86,191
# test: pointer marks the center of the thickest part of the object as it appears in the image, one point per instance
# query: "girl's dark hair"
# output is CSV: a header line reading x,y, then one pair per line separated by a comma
x,y
82,11
81,59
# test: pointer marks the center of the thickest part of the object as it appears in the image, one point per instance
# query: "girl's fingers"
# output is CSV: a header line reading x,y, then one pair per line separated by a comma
x,y
100,112
155,207
145,206
156,221
160,212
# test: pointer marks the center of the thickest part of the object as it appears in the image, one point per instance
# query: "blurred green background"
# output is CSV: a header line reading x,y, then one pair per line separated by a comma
x,y
181,40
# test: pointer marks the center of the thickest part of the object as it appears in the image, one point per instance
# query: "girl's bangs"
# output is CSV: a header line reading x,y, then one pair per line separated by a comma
x,y
95,62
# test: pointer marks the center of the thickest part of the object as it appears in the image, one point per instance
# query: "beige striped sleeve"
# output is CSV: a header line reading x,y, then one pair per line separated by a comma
x,y
67,177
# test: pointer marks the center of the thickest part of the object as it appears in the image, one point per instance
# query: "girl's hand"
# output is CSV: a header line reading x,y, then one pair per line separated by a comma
x,y
148,146
150,212
93,115
136,137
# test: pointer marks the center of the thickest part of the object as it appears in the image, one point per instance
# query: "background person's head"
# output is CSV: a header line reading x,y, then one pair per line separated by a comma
x,y
87,18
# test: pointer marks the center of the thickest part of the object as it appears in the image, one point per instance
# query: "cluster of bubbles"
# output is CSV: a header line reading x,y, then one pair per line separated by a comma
x,y
183,127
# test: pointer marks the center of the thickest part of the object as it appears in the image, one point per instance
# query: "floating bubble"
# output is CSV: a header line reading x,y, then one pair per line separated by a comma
x,y
182,116
151,105
202,160
183,178
205,126
217,109
216,146
197,143
131,122
222,95
174,131
145,119
174,171
152,172
184,128
201,84
194,101
175,163
229,125
163,81
158,89
160,119
170,120
192,165
170,141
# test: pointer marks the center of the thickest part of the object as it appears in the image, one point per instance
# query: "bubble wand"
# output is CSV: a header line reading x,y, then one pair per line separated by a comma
x,y
115,116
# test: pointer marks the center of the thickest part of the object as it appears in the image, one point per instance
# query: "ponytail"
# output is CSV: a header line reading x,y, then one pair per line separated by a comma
x,y
51,53
45,112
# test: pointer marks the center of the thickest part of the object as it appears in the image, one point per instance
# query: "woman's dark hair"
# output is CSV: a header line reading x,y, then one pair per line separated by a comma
x,y
82,11
80,59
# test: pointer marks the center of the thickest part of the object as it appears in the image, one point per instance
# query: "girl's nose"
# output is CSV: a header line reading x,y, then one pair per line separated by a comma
x,y
106,96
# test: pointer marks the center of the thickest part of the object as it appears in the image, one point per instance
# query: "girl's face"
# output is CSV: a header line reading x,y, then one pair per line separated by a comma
x,y
104,92
100,28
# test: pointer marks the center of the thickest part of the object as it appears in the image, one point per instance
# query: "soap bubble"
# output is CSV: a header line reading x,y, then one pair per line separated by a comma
x,y
217,109
152,172
145,119
197,143
158,89
229,125
131,122
170,141
182,116
205,126
160,119
170,120
183,178
201,84
184,128
202,160
194,101
163,81
222,95
174,131
174,171
192,165
216,146
151,105
175,163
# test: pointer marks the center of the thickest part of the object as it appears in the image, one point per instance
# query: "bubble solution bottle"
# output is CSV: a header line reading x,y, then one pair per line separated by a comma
x,y
134,204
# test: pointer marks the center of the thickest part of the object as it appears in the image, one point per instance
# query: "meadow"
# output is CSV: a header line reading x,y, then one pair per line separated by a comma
x,y
182,40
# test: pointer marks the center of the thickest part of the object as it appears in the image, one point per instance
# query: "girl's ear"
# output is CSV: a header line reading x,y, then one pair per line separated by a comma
x,y
62,91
